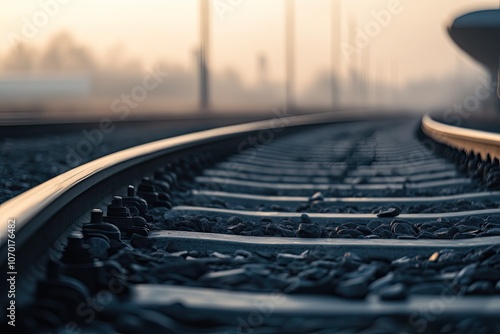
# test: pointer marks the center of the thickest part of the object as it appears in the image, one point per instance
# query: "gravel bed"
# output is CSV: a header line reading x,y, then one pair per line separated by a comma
x,y
32,159
446,272
442,228
319,206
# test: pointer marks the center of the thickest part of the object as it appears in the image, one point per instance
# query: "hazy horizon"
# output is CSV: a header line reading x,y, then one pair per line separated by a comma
x,y
120,40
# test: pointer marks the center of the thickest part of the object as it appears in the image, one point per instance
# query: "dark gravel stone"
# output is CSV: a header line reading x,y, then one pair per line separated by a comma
x,y
307,230
242,252
436,288
391,212
139,241
464,277
487,273
229,277
304,218
493,232
385,281
403,228
493,219
189,269
364,230
426,235
350,225
491,225
194,224
443,235
383,233
393,292
350,232
302,207
272,229
314,274
406,237
466,228
234,220
351,261
447,233
480,288
276,207
452,231
194,253
287,231
257,233
316,197
353,288
372,225
382,227
238,228
464,236
286,258
472,221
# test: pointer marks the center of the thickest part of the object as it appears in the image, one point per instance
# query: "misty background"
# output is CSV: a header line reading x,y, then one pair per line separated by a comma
x,y
62,71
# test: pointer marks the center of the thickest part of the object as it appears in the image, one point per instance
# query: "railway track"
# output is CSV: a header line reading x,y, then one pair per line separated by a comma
x,y
300,224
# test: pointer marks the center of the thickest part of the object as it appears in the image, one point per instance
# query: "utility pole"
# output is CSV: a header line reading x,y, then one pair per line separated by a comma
x,y
364,75
335,36
204,51
368,82
289,53
353,65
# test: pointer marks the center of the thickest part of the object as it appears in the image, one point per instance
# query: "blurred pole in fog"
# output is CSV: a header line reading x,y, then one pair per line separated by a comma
x,y
390,84
353,81
363,76
366,76
381,83
289,54
262,70
204,52
358,69
336,27
395,84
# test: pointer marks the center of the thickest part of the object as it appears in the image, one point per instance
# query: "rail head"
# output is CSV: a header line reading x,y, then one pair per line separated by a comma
x,y
477,141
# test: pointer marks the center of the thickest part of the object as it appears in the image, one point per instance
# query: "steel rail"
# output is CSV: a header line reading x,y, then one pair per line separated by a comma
x,y
44,213
479,142
48,210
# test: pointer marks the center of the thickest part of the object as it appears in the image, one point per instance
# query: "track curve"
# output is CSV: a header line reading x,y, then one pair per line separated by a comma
x,y
271,218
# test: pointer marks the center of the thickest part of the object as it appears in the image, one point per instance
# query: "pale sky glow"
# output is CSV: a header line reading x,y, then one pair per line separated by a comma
x,y
414,44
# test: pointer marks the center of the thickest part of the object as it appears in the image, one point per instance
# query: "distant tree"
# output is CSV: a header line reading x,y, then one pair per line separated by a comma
x,y
20,58
63,54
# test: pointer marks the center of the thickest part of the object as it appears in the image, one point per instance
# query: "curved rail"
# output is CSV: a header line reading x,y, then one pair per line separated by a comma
x,y
468,139
44,213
